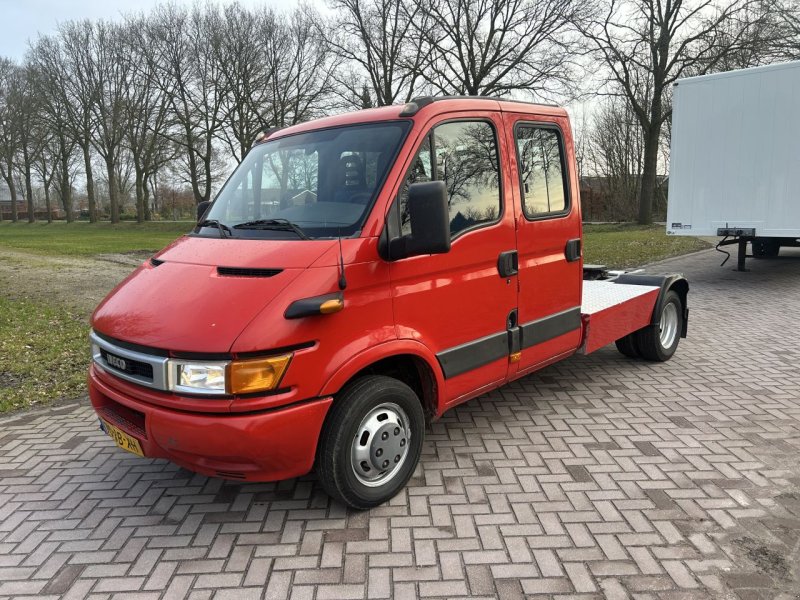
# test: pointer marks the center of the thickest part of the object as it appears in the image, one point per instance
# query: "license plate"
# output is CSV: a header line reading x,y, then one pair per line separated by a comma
x,y
122,439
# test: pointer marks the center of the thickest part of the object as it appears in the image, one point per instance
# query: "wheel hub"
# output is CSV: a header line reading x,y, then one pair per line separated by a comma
x,y
388,446
380,445
669,325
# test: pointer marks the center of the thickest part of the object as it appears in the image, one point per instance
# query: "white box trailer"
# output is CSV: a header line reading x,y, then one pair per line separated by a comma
x,y
735,158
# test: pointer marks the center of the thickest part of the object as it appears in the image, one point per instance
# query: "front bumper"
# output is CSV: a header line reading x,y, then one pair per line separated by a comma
x,y
260,446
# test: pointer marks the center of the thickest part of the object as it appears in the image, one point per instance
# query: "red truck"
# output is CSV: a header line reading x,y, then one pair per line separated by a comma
x,y
356,277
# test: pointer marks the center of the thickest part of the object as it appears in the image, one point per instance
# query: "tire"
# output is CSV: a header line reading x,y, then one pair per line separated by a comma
x,y
765,247
659,342
627,346
374,420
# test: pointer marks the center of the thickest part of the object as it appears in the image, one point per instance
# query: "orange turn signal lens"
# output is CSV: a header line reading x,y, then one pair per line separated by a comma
x,y
331,306
257,375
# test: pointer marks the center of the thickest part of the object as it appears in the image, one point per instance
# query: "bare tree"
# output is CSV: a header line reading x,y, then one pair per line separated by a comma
x,y
57,114
246,105
646,45
378,40
301,70
67,62
107,71
27,103
147,105
9,129
186,44
615,154
497,47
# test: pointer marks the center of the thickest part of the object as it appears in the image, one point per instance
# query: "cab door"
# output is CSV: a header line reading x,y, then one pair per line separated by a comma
x,y
548,238
457,303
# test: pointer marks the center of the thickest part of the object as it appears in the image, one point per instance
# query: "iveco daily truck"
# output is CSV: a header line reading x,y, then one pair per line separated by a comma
x,y
356,277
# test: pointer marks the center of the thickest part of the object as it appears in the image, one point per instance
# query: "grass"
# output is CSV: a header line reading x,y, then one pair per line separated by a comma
x,y
44,346
43,354
624,245
86,239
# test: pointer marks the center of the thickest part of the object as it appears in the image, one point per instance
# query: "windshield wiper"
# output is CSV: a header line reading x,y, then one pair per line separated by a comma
x,y
224,230
278,224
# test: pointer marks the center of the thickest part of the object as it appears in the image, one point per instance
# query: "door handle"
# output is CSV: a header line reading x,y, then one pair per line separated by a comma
x,y
508,263
572,251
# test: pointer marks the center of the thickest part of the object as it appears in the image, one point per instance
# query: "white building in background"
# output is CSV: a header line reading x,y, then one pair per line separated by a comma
x,y
5,194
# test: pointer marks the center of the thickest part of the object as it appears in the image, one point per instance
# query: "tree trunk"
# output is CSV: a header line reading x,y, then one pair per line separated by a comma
x,y
12,188
649,172
64,190
29,189
113,192
87,164
148,215
47,203
140,210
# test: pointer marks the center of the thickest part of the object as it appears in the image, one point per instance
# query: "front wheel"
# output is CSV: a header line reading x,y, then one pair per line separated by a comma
x,y
659,342
371,441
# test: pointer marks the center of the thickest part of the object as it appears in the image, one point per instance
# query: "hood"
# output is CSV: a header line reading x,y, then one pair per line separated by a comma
x,y
184,303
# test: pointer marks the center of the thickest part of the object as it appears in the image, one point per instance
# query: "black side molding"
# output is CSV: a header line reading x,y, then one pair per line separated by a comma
x,y
552,326
472,355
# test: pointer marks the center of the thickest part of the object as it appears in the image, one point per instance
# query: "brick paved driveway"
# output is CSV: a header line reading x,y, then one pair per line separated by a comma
x,y
600,476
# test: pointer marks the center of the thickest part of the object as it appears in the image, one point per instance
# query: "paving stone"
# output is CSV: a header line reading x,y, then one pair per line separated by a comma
x,y
597,476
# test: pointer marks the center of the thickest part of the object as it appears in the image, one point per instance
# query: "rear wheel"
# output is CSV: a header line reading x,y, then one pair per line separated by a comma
x,y
627,346
659,342
371,441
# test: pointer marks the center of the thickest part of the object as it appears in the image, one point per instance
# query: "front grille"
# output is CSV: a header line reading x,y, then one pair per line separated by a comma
x,y
144,366
132,367
241,272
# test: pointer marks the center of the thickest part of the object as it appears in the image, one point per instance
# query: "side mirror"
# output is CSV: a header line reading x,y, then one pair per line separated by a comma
x,y
201,209
430,222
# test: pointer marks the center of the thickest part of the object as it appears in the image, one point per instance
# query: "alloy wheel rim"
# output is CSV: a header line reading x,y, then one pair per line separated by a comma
x,y
380,445
669,325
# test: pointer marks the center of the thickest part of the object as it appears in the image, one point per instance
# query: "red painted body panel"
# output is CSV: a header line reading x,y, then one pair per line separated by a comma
x,y
416,307
607,326
261,446
548,284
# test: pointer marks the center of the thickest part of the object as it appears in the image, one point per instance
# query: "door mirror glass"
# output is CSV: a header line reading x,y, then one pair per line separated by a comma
x,y
429,218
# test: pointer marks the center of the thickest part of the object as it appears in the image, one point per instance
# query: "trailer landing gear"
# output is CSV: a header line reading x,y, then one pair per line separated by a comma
x,y
741,255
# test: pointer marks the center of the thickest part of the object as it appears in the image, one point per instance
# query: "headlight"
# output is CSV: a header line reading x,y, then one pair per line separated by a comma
x,y
229,377
200,378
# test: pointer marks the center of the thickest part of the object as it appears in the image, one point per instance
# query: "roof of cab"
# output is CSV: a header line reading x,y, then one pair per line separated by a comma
x,y
426,106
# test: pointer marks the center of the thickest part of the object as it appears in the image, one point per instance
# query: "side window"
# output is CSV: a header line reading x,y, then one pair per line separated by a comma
x,y
540,155
467,161
421,170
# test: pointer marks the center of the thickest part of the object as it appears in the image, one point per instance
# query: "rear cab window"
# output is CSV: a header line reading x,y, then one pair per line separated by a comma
x,y
544,186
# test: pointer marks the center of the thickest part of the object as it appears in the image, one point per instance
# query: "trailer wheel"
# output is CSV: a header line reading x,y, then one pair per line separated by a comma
x,y
627,346
371,441
765,247
659,342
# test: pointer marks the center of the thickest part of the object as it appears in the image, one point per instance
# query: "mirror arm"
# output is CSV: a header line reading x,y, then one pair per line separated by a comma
x,y
398,248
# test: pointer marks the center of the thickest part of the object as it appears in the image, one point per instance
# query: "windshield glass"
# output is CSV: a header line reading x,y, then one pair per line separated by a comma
x,y
310,185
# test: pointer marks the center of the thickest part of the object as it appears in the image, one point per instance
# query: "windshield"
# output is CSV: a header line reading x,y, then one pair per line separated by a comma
x,y
311,185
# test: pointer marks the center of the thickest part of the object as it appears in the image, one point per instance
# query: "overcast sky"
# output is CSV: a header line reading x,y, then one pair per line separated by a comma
x,y
21,20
